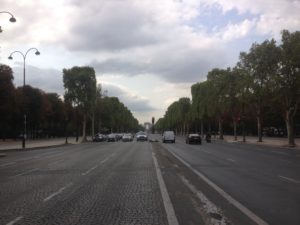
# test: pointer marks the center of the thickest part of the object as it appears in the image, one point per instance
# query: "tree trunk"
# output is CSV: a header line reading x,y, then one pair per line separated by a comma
x,y
289,120
202,129
221,129
77,129
234,129
84,129
244,131
93,125
259,129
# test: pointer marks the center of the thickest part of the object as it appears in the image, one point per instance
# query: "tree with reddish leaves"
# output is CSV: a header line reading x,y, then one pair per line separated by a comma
x,y
7,100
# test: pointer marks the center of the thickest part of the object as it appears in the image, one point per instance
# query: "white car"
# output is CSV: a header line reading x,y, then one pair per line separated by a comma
x,y
141,136
168,136
127,137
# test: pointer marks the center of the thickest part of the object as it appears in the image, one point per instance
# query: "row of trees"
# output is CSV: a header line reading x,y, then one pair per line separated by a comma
x,y
83,108
264,87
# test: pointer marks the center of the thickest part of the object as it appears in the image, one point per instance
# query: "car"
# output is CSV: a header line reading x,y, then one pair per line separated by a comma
x,y
119,136
193,139
141,136
111,138
168,136
127,137
99,138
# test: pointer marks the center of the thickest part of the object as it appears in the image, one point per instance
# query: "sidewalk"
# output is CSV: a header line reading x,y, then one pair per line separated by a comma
x,y
10,145
268,141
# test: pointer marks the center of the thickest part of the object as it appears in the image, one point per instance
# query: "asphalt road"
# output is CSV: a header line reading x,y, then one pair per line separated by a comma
x,y
149,183
266,180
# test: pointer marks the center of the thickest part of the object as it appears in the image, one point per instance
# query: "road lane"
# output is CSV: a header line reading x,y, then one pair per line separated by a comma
x,y
252,179
106,183
20,191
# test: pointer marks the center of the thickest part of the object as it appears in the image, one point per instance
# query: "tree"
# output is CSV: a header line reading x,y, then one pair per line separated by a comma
x,y
55,112
287,80
80,90
200,103
217,106
261,63
7,90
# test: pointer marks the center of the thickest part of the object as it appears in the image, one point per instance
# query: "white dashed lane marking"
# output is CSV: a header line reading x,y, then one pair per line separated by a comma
x,y
15,220
289,179
90,170
57,192
231,160
26,172
7,164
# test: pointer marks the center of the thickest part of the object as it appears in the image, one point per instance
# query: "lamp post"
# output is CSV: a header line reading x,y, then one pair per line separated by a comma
x,y
24,61
11,19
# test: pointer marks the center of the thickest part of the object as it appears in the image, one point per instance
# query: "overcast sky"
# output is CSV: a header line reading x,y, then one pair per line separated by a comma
x,y
146,52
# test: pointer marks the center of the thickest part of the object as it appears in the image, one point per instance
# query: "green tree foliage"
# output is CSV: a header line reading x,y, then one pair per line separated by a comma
x,y
113,116
217,103
80,90
287,80
176,117
265,82
261,63
200,103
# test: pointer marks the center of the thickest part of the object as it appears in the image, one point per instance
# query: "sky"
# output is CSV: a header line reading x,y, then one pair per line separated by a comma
x,y
147,53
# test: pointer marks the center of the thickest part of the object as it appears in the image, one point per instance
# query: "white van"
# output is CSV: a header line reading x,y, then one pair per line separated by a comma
x,y
168,136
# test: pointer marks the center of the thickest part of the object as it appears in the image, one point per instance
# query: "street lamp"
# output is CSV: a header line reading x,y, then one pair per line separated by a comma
x,y
11,19
24,61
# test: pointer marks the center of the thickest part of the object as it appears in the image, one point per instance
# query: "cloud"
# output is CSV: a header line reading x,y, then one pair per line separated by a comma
x,y
135,103
110,25
272,16
237,31
185,60
48,80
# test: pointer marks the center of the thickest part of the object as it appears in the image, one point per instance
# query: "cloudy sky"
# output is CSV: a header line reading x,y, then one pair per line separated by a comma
x,y
146,52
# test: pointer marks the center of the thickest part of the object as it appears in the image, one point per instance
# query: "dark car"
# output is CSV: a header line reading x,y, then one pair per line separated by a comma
x,y
193,139
99,138
111,138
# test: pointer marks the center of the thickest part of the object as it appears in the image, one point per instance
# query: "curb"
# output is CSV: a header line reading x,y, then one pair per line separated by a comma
x,y
296,148
32,148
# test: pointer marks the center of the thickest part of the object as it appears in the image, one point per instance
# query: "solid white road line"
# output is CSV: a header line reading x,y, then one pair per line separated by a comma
x,y
57,192
171,216
289,179
234,202
15,220
26,172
